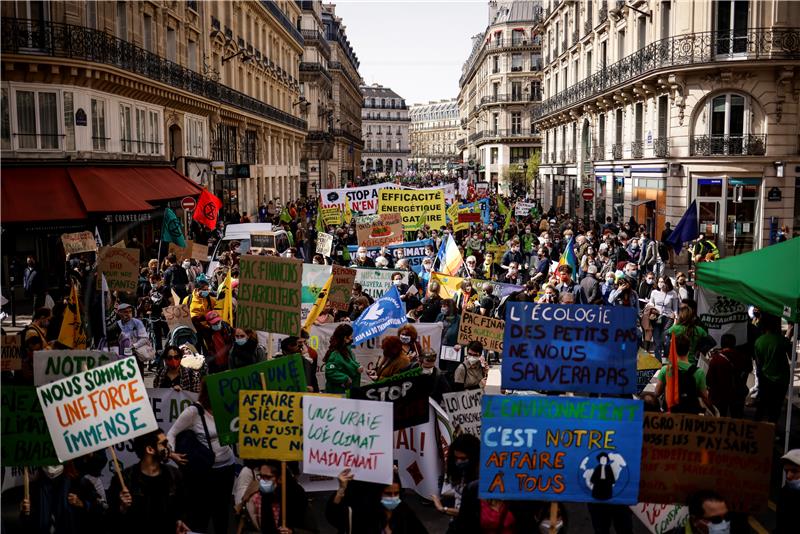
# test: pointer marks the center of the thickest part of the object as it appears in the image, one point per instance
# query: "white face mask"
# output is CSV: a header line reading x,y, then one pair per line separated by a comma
x,y
362,255
397,282
427,370
472,360
53,471
186,265
723,527
544,526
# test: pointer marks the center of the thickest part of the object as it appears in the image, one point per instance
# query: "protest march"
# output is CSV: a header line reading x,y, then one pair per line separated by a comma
x,y
444,362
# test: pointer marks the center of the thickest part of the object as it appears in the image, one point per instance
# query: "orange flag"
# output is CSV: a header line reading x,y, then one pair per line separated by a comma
x,y
672,393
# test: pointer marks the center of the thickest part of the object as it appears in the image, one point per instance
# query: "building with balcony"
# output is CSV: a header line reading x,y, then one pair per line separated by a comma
x,y
345,102
104,103
434,133
385,125
653,104
316,94
499,90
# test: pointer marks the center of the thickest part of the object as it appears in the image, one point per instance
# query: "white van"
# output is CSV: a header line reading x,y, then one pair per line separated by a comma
x,y
256,236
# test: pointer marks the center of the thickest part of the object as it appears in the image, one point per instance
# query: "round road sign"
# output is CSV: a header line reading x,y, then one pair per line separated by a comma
x,y
188,203
587,194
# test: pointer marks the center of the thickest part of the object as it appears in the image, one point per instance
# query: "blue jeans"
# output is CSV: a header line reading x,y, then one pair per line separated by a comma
x,y
660,326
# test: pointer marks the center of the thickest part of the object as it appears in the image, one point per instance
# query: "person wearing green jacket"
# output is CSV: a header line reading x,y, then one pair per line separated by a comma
x,y
342,370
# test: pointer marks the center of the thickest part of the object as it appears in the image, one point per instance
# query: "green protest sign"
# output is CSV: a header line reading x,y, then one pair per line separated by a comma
x,y
25,438
269,295
282,374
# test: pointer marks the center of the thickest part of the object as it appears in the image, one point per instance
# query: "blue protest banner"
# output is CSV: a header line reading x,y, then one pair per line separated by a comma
x,y
386,312
567,449
414,251
559,347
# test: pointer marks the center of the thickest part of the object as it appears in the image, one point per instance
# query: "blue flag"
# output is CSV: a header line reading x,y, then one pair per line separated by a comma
x,y
172,231
386,312
686,229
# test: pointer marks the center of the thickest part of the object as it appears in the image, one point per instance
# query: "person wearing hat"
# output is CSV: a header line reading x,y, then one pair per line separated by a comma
x,y
789,496
219,343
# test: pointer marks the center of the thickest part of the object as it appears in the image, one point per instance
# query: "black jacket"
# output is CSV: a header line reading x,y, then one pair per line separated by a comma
x,y
154,514
468,520
368,515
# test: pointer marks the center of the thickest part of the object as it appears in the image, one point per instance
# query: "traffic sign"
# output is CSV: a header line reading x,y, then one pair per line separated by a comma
x,y
188,203
587,194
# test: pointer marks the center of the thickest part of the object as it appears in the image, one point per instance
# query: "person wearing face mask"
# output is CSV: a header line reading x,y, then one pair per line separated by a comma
x,y
463,460
664,300
514,255
471,373
257,494
709,514
470,268
342,370
684,290
245,349
608,286
410,339
200,302
362,259
368,508
451,320
788,502
489,270
174,375
219,344
154,499
647,285
291,346
53,504
393,361
439,384
208,489
465,296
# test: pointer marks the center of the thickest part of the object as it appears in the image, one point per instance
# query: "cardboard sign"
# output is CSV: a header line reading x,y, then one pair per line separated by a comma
x,y
199,251
269,294
25,439
345,433
180,252
408,393
52,365
567,449
120,267
282,374
93,409
363,199
660,518
464,410
413,204
497,251
341,287
11,355
379,230
686,453
559,347
477,327
178,316
78,242
271,425
324,244
452,213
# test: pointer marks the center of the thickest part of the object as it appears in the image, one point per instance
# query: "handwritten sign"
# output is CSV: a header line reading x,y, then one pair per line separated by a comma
x,y
271,425
570,348
376,282
11,356
51,365
269,294
120,267
199,251
464,410
363,199
379,230
324,244
78,242
408,393
25,439
178,316
93,409
282,374
419,450
686,453
477,327
565,449
341,287
182,252
345,433
660,518
523,209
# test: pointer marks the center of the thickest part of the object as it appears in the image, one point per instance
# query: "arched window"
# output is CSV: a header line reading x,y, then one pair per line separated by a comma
x,y
379,165
369,164
398,166
388,165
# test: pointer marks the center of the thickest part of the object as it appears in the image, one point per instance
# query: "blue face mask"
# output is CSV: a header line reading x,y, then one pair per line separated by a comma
x,y
216,327
204,294
266,486
793,484
390,503
241,341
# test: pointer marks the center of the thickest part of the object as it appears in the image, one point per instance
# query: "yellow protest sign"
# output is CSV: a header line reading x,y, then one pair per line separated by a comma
x,y
331,216
270,425
498,251
452,213
449,284
459,226
412,204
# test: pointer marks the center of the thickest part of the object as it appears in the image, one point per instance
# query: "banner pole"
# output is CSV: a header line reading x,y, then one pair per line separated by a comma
x,y
26,486
283,494
117,469
553,517
269,348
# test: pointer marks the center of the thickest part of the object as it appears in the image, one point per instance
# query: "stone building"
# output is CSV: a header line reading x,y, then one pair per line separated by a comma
x,y
652,104
385,125
499,89
434,132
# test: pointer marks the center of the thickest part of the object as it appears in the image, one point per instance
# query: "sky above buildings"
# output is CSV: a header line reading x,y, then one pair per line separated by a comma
x,y
415,47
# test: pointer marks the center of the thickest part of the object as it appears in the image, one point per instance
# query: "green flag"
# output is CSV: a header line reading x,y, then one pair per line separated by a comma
x,y
285,217
320,225
172,231
501,206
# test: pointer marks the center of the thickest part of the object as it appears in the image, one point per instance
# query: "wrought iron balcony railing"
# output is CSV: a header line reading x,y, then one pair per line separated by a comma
x,y
681,50
598,152
512,98
729,145
306,66
616,151
571,155
637,150
43,38
661,147
602,13
276,12
316,37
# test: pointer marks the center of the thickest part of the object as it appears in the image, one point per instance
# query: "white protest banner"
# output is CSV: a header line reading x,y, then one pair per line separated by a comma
x,y
363,199
324,244
463,187
722,315
93,409
346,433
660,518
523,209
312,483
78,242
52,365
464,410
419,463
376,282
178,316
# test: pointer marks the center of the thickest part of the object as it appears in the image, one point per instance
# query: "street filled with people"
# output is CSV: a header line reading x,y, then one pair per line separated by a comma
x,y
395,347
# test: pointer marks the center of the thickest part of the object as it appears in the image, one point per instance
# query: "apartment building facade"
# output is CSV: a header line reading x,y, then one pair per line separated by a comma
x,y
651,104
434,132
385,128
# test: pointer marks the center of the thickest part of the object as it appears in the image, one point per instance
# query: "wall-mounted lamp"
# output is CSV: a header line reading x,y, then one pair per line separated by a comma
x,y
243,52
779,168
626,171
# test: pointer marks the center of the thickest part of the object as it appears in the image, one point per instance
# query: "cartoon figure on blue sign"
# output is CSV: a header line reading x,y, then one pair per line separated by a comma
x,y
607,478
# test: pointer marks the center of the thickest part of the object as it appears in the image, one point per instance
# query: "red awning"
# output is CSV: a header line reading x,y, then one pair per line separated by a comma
x,y
69,193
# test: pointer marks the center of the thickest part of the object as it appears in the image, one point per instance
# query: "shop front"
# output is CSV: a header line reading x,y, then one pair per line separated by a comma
x,y
729,212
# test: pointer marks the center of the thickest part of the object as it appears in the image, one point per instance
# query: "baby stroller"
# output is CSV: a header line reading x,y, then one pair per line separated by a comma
x,y
181,335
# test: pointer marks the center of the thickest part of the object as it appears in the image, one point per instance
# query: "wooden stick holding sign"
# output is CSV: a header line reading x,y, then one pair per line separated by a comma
x,y
26,489
553,517
117,469
283,464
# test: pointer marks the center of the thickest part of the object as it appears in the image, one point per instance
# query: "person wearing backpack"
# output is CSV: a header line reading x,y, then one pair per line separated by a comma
x,y
207,466
691,381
